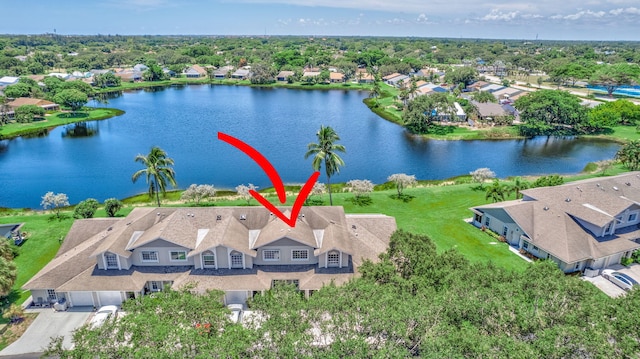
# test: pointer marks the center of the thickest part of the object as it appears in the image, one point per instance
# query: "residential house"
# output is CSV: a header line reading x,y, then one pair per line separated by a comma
x,y
195,71
336,77
22,101
241,74
308,73
129,75
223,72
365,78
239,250
283,76
140,68
585,225
488,111
8,80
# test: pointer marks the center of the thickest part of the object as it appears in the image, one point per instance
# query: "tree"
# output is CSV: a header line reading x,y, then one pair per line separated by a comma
x,y
496,191
8,271
619,112
465,75
613,76
361,188
244,191
629,155
325,150
27,113
402,180
14,314
197,193
262,74
158,172
484,96
112,206
546,181
550,112
72,98
18,90
108,79
481,175
154,72
518,185
55,202
423,111
86,208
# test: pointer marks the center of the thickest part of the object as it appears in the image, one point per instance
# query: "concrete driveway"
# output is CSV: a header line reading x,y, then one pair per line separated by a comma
x,y
608,287
48,324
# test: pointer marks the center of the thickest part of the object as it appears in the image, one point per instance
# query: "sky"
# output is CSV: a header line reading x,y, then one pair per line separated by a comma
x,y
495,19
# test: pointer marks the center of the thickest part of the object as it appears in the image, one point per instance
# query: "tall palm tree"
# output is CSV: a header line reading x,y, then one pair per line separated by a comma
x,y
496,192
325,150
518,185
158,171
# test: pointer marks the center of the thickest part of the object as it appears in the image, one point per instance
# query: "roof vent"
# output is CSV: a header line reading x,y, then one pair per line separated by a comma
x,y
597,184
628,183
243,217
579,189
567,199
157,214
110,228
353,226
615,188
546,208
218,218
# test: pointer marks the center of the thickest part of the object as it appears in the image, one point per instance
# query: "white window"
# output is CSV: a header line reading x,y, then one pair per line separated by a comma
x,y
208,260
487,221
149,256
111,260
632,217
525,245
300,254
51,294
504,231
178,256
236,260
608,229
271,255
333,259
156,286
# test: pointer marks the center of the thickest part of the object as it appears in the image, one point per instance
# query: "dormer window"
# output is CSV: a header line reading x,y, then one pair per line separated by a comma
x,y
632,217
608,229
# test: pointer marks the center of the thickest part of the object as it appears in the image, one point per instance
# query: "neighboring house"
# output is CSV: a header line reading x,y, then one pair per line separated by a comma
x,y
583,225
21,101
222,72
336,77
390,76
241,74
308,73
239,250
129,75
60,75
365,78
140,68
283,76
8,80
195,71
489,111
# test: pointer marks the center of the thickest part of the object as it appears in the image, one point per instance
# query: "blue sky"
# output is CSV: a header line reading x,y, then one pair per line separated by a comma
x,y
510,19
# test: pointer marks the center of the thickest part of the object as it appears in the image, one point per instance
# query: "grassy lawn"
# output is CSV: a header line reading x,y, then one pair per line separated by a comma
x,y
55,119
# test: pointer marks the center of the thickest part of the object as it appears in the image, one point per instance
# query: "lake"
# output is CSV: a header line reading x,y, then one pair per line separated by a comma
x,y
96,159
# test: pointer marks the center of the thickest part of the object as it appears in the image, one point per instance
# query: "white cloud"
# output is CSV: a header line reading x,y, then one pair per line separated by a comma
x,y
626,11
496,15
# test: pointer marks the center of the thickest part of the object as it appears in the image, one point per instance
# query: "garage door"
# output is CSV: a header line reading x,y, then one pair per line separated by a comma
x,y
80,299
110,298
236,297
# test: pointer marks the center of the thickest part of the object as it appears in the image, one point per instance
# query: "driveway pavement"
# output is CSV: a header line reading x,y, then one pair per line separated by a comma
x,y
608,287
46,325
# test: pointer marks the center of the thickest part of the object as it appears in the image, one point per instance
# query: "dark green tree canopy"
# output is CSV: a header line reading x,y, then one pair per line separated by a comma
x,y
549,112
72,98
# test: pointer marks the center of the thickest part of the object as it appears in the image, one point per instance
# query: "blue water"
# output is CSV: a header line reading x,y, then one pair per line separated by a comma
x,y
280,123
632,91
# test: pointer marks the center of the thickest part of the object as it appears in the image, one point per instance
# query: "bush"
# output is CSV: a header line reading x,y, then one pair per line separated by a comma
x,y
86,208
112,206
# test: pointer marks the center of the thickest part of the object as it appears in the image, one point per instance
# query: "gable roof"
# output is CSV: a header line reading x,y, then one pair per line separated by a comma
x,y
554,218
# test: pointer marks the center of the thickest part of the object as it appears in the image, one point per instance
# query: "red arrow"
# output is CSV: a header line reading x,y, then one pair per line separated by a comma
x,y
268,168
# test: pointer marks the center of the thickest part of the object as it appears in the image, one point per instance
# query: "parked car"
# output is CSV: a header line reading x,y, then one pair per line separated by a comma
x,y
236,312
103,314
620,279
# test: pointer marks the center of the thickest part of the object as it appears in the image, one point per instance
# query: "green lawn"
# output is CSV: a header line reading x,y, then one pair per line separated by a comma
x,y
44,236
55,119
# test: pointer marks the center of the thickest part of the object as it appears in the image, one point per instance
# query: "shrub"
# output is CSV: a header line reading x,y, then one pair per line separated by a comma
x,y
86,208
112,206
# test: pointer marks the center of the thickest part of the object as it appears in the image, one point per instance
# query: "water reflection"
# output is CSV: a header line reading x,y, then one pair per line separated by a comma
x,y
80,129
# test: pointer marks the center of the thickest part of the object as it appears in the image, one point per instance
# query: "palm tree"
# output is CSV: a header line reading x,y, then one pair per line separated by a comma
x,y
496,192
158,171
325,150
518,185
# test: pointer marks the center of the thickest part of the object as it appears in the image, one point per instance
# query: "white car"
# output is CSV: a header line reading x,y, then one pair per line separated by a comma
x,y
102,315
620,279
236,312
